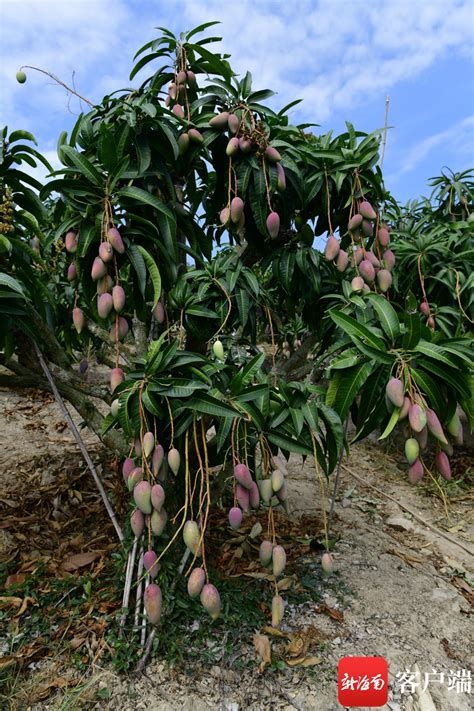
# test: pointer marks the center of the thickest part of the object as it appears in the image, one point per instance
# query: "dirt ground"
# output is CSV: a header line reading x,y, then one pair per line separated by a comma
x,y
402,588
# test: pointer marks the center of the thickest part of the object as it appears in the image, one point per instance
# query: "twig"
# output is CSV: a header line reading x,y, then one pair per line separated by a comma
x,y
56,79
80,444
385,126
128,581
146,652
412,513
139,589
338,474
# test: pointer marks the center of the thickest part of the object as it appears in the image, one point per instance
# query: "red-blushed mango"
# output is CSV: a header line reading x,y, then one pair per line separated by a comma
x,y
158,521
137,446
127,468
196,136
134,478
434,426
448,448
236,209
443,466
119,329
279,463
367,211
104,305
454,427
383,236
357,284
327,563
191,536
395,392
412,450
174,460
224,216
372,258
282,493
404,408
415,472
72,272
98,270
265,552
277,480
178,111
243,475
157,459
220,121
384,280
191,78
142,497
281,177
115,239
278,560
425,308
431,323
211,601
388,259
243,497
173,91
181,77
331,249
71,240
342,261
235,517
218,350
232,147
78,319
254,496
117,377
416,417
106,252
150,561
273,224
278,610
148,443
422,437
367,271
233,123
245,144
272,155
159,312
367,228
137,522
196,582
104,284
183,143
266,490
355,222
357,256
157,496
118,298
152,600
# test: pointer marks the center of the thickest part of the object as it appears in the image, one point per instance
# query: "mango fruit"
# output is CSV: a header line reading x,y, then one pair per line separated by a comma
x,y
148,443
278,560
232,147
118,298
117,376
434,426
106,252
367,271
98,270
243,475
372,259
273,224
254,496
196,582
233,123
191,536
158,521
220,121
332,248
425,308
422,437
104,284
243,497
157,459
142,496
367,211
134,478
104,305
417,417
388,259
395,391
127,467
71,240
327,563
115,239
211,601
137,446
443,466
281,178
384,280
224,216
178,111
272,155
20,77
342,261
191,79
357,256
266,490
277,479
404,408
196,136
119,329
218,350
114,407
383,236
72,272
431,323
181,77
278,610
235,517
412,450
78,319
183,143
357,284
159,312
367,228
174,460
355,222
137,523
245,144
265,552
150,561
415,472
157,496
152,600
236,209
454,427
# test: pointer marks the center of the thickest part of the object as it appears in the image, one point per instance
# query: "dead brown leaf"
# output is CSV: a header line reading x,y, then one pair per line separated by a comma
x,y
264,650
80,560
10,601
334,614
275,632
304,661
44,690
15,579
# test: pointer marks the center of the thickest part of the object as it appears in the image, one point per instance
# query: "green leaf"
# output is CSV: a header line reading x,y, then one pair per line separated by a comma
x,y
386,314
154,274
289,444
354,328
436,352
391,423
211,406
11,283
412,330
344,387
243,304
83,165
167,223
135,256
245,376
429,388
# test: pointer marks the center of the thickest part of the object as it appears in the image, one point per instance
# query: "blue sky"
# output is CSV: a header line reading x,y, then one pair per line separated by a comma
x,y
342,57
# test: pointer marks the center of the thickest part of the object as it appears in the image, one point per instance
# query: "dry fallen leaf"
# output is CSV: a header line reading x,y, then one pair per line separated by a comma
x,y
335,614
79,560
263,648
9,601
275,632
304,661
15,579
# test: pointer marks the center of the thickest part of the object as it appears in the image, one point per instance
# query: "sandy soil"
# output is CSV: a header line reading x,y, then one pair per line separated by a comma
x,y
400,585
